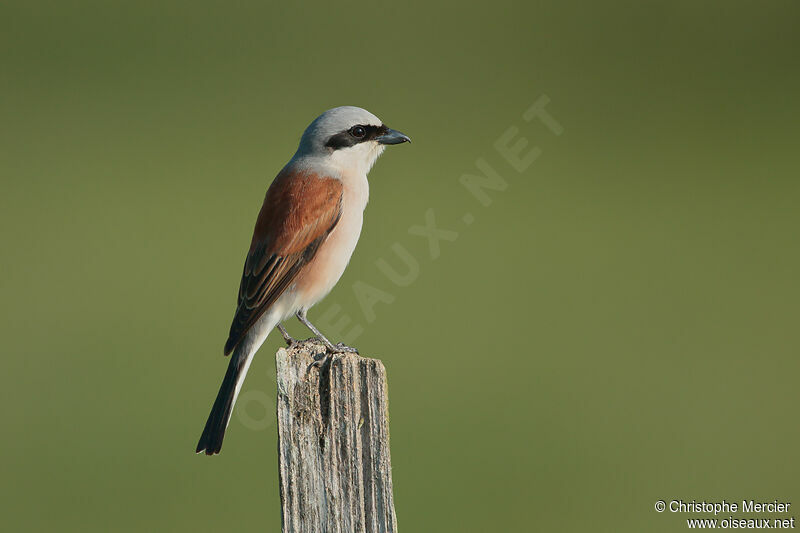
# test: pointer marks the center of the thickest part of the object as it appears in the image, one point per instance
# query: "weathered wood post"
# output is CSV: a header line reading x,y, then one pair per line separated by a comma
x,y
333,443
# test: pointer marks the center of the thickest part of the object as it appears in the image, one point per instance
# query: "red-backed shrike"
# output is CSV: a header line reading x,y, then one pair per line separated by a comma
x,y
305,234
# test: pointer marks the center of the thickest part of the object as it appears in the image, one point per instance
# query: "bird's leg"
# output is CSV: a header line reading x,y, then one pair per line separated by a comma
x,y
333,348
290,341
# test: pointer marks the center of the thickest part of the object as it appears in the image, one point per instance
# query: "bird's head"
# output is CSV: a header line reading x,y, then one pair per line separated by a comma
x,y
349,137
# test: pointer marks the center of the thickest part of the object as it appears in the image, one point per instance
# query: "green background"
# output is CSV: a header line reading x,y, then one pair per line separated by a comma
x,y
620,325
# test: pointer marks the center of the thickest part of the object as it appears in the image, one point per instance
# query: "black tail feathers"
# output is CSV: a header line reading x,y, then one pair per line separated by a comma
x,y
211,440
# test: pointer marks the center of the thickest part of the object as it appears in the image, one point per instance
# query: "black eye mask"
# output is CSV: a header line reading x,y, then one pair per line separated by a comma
x,y
345,139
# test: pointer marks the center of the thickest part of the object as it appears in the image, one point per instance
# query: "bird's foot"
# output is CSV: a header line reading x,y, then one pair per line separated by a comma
x,y
323,358
342,348
291,343
337,348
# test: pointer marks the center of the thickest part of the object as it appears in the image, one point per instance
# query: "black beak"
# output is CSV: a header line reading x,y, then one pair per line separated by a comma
x,y
392,137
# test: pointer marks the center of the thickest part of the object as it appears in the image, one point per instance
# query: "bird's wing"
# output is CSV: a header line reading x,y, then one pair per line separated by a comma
x,y
299,212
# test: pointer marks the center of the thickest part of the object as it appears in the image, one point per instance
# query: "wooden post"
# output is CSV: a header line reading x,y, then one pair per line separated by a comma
x,y
333,443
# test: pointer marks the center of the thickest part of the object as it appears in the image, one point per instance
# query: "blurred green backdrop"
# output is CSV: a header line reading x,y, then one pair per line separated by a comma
x,y
618,326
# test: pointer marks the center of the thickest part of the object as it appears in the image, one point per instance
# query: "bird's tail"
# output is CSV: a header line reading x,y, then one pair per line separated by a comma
x,y
211,440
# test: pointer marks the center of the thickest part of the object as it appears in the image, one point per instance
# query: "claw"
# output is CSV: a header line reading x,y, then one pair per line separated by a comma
x,y
338,348
342,348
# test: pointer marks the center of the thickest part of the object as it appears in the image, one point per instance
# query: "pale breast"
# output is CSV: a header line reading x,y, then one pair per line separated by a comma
x,y
317,278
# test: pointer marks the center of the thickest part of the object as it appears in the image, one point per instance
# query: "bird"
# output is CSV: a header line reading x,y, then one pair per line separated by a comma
x,y
304,237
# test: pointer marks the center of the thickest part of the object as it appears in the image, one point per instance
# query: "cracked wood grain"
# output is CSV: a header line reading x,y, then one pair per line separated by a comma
x,y
333,443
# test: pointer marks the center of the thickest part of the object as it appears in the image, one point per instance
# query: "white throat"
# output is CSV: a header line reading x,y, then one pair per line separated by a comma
x,y
357,159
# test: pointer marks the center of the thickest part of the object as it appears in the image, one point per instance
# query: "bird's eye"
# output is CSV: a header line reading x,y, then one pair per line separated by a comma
x,y
358,132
